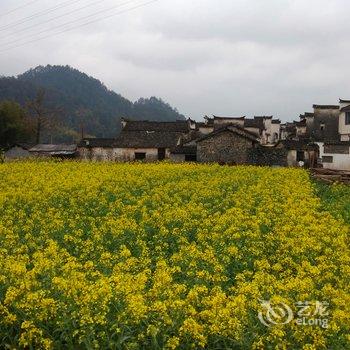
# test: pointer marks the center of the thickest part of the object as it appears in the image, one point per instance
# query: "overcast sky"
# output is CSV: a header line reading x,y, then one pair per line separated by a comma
x,y
223,57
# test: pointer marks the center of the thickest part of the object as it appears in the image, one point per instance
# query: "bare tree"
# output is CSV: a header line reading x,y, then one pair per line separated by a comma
x,y
45,118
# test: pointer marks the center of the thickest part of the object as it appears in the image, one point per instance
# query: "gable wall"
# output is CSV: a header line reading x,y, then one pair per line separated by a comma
x,y
226,147
328,117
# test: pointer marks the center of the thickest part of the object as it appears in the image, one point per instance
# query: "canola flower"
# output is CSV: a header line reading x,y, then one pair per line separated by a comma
x,y
336,199
163,256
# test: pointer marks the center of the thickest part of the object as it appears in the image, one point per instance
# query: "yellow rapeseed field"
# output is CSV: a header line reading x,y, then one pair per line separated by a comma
x,y
162,256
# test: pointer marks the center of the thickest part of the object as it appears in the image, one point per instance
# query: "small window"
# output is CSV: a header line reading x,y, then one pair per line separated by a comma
x,y
347,118
327,159
323,127
140,156
337,149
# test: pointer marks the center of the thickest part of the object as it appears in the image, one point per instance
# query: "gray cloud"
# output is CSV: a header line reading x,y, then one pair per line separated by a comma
x,y
241,57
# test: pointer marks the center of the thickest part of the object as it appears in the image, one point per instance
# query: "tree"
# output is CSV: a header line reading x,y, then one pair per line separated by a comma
x,y
83,115
14,124
45,118
37,107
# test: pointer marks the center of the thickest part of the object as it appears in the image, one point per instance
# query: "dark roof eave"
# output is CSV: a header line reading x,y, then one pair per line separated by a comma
x,y
325,107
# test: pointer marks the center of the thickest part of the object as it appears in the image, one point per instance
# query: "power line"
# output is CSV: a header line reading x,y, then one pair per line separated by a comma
x,y
81,25
38,14
68,23
18,8
57,17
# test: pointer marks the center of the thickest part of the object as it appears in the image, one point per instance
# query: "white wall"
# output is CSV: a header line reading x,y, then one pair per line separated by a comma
x,y
119,154
233,120
275,129
344,130
205,130
340,161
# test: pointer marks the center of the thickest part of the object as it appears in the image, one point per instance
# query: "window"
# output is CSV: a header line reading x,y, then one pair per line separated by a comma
x,y
336,149
140,156
327,159
347,118
322,127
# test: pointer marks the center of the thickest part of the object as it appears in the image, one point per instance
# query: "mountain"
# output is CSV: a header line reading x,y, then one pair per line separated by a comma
x,y
79,100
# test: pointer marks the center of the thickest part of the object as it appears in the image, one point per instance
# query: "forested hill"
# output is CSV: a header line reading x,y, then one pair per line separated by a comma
x,y
77,99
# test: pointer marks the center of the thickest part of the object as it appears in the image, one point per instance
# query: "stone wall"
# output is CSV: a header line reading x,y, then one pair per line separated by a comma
x,y
225,147
268,156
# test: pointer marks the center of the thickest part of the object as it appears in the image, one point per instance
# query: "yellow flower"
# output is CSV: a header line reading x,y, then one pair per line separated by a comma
x,y
169,256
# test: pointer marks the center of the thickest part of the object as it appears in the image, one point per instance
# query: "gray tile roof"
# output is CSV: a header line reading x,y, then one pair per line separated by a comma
x,y
177,126
325,107
54,149
97,143
135,139
257,123
345,109
263,117
147,139
224,118
234,129
300,145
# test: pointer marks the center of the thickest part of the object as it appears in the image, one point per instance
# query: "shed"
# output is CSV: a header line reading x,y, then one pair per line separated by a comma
x,y
51,150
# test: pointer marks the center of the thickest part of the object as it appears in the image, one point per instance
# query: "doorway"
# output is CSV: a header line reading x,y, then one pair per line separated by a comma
x,y
161,153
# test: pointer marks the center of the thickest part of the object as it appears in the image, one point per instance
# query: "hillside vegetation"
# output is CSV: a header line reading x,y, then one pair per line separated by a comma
x,y
77,99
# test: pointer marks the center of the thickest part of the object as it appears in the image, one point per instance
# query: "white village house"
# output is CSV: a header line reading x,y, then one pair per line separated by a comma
x,y
329,127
